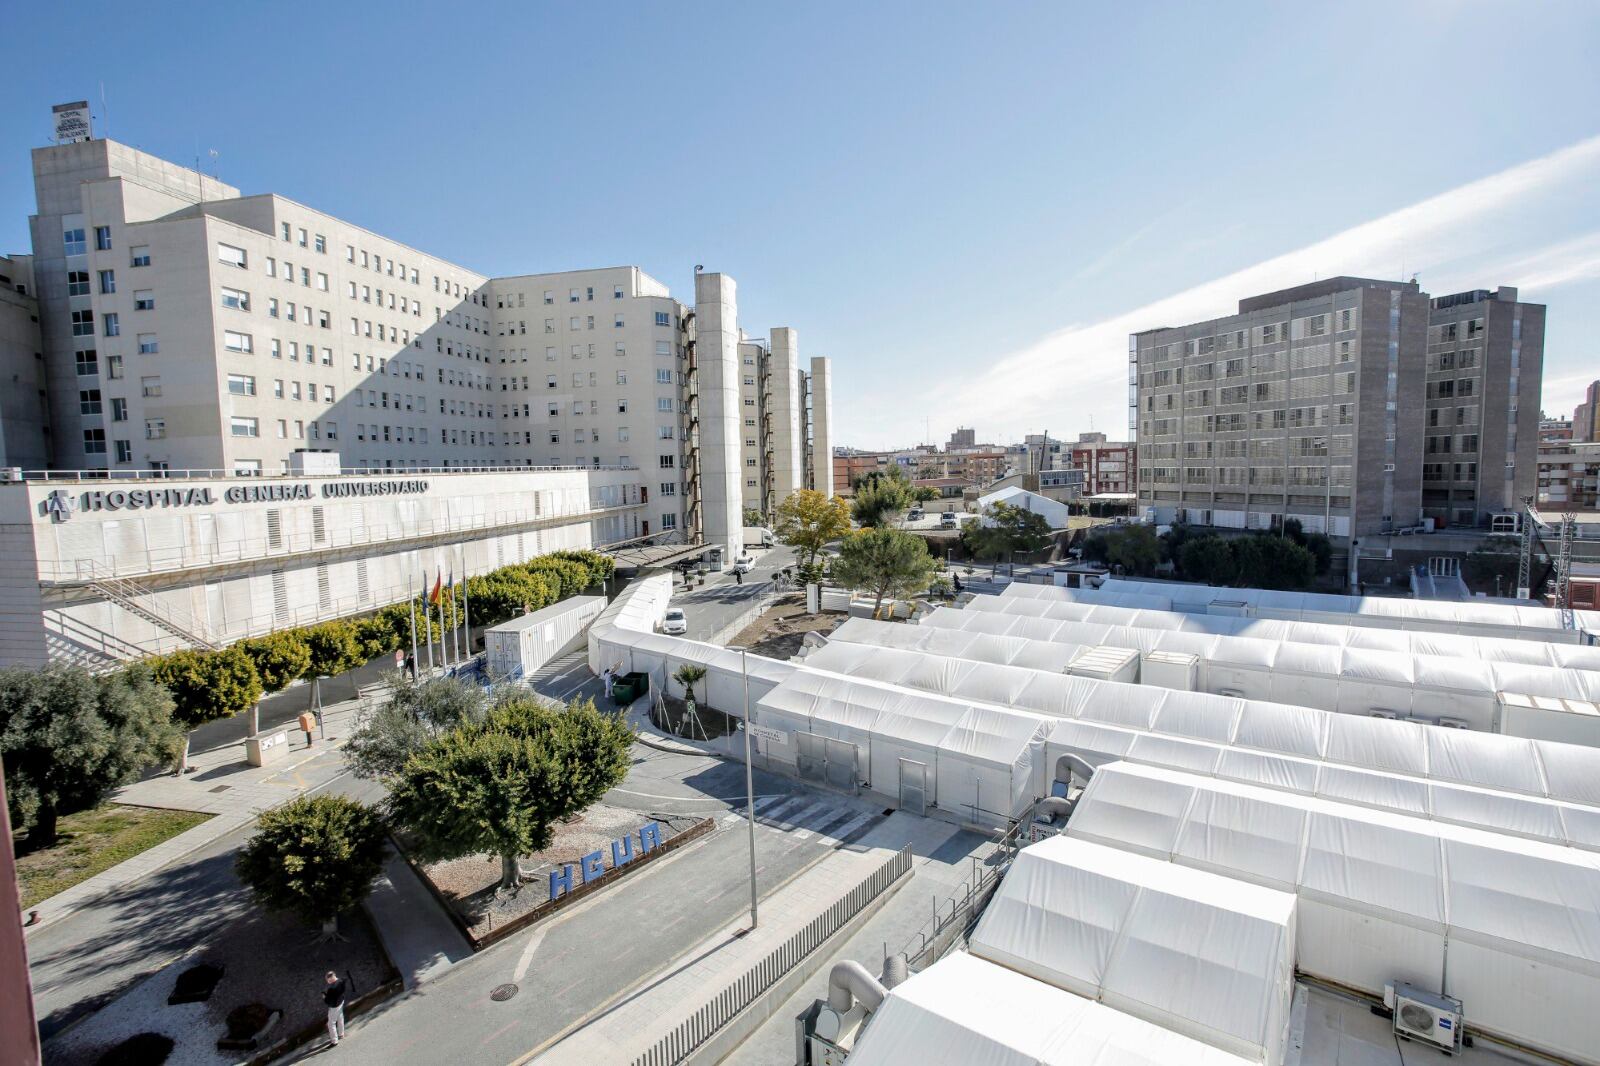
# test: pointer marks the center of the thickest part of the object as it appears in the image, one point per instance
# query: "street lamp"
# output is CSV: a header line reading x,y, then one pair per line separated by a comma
x,y
749,782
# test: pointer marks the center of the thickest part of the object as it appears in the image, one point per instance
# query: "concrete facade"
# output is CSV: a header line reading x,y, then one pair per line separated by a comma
x,y
24,401
188,327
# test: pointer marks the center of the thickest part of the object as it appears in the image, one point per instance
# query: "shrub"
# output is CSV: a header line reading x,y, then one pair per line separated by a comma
x,y
315,856
334,648
207,686
279,657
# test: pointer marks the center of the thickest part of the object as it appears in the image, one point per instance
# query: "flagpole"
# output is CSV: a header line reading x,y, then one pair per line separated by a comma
x,y
455,623
466,605
427,620
416,663
444,646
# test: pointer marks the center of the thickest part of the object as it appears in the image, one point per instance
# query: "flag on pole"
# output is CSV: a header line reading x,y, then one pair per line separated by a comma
x,y
438,587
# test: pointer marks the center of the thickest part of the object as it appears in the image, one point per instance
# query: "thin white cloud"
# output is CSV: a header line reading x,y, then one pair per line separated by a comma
x,y
1478,234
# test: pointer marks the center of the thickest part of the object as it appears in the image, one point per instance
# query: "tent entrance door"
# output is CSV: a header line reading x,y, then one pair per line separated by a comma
x,y
828,761
913,787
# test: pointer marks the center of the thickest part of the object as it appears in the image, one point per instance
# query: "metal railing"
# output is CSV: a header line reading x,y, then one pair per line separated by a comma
x,y
955,913
703,1023
138,600
299,542
344,471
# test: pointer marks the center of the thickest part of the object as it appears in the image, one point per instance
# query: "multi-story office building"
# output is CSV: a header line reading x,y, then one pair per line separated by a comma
x,y
778,423
1485,357
1322,402
188,327
24,403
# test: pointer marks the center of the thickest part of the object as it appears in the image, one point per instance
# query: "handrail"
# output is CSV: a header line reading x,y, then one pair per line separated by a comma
x,y
291,543
138,600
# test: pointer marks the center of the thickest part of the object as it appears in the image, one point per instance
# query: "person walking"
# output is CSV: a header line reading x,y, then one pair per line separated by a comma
x,y
333,993
610,679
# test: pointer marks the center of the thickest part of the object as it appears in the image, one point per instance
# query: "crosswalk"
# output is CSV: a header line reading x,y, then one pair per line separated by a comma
x,y
805,816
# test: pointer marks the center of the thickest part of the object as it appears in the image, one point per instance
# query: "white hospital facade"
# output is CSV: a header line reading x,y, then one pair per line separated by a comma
x,y
170,332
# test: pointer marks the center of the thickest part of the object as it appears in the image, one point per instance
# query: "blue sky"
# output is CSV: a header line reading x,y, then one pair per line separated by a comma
x,y
966,206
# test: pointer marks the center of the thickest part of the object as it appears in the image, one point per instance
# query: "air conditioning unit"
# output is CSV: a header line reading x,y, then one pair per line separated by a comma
x,y
1454,723
1426,1016
1384,712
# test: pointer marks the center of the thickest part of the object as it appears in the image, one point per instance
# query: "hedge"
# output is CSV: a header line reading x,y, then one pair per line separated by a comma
x,y
207,685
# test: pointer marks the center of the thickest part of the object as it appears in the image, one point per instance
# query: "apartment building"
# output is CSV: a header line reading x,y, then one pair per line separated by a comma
x,y
24,402
1353,405
778,422
1569,475
185,326
1586,418
1106,465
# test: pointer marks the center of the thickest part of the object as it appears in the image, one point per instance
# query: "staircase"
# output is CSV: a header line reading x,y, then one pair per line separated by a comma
x,y
137,600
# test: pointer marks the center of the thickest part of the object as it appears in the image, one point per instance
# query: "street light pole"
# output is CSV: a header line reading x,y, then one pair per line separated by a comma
x,y
749,784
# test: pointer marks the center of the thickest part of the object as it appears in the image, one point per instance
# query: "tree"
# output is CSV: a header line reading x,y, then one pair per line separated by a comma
x,y
1270,562
498,786
924,493
1135,548
689,675
752,517
1210,559
315,856
334,648
206,686
1320,547
928,471
876,500
279,657
412,717
1006,529
884,562
809,520
68,738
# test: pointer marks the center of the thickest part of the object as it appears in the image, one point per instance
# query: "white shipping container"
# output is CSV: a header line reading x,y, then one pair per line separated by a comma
x,y
1171,669
521,646
1567,721
1106,664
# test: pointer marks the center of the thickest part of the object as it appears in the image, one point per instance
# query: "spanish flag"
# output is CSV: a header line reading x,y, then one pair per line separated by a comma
x,y
438,586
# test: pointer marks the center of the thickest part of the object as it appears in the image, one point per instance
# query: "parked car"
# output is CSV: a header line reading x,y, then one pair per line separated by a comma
x,y
674,622
743,564
916,514
947,520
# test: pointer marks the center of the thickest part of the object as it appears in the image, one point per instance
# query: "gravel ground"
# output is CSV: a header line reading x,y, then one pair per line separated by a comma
x,y
469,884
780,629
268,958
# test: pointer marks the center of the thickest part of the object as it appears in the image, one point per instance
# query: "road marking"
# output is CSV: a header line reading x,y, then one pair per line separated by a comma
x,y
527,955
795,823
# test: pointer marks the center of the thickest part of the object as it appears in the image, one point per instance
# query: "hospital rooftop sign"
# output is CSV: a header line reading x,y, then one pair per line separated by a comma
x,y
60,504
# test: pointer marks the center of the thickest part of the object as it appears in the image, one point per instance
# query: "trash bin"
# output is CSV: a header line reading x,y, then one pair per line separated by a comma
x,y
628,687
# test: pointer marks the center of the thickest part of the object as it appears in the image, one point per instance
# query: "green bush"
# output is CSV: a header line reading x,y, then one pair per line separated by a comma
x,y
207,686
315,856
334,648
279,657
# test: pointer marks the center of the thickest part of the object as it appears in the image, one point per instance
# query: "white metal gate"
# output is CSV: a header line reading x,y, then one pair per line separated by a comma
x,y
913,786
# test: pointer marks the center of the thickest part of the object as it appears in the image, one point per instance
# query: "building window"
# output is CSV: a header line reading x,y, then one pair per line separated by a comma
x,y
75,244
232,256
113,326
663,319
244,427
124,451
89,401
102,238
237,342
669,521
321,244
236,299
144,300
113,366
88,362
155,428
119,409
616,292
83,323
148,344
667,462
139,255
618,323
108,282
241,385
150,386
94,442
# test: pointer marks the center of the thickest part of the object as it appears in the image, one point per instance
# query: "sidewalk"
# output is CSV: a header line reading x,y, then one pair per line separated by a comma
x,y
632,1026
223,785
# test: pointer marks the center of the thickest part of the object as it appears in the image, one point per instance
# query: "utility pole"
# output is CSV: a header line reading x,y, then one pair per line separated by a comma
x,y
749,783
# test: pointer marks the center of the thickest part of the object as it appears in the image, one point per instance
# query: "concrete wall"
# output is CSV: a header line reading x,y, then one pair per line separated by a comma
x,y
718,370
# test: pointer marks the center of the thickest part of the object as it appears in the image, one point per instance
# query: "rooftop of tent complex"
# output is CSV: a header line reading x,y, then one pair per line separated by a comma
x,y
1254,846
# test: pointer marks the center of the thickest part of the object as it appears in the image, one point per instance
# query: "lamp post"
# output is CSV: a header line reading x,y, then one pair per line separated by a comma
x,y
749,783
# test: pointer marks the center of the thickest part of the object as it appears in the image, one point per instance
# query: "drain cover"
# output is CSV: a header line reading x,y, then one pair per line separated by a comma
x,y
219,788
502,993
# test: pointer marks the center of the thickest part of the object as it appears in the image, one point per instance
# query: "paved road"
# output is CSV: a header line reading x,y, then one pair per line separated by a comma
x,y
722,600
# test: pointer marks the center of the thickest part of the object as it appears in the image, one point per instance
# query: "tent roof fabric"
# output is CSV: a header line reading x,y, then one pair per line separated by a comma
x,y
963,1009
1531,899
1201,954
1519,786
1452,616
1038,619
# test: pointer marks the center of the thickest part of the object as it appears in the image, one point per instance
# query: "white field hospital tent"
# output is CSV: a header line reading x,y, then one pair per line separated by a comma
x,y
977,762
1351,680
1454,616
1203,955
1053,511
1532,788
1450,645
963,1010
1510,927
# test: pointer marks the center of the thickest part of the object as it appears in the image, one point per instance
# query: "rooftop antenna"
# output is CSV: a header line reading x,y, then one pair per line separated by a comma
x,y
105,111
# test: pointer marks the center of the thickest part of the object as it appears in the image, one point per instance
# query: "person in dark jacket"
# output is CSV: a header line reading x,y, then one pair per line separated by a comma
x,y
333,993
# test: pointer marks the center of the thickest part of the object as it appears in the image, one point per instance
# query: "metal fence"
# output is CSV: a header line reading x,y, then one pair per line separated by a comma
x,y
703,1023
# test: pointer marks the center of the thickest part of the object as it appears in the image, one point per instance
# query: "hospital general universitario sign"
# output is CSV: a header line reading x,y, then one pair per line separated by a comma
x,y
61,504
